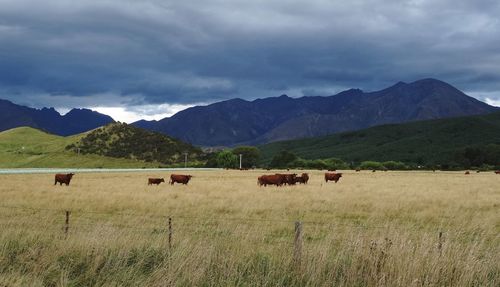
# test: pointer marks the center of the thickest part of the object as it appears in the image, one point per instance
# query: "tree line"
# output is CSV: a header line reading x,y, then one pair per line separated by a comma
x,y
473,157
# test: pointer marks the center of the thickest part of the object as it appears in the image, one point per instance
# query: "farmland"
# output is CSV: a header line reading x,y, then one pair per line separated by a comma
x,y
369,229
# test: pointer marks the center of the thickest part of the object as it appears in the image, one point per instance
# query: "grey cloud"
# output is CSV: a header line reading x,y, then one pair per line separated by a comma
x,y
184,52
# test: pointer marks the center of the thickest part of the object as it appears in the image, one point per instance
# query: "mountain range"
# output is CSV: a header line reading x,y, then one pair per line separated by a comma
x,y
273,119
238,121
48,119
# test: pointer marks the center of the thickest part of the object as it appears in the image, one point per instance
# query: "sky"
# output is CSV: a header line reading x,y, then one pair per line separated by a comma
x,y
148,59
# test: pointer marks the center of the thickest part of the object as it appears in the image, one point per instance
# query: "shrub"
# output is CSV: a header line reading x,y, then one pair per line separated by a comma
x,y
371,165
394,165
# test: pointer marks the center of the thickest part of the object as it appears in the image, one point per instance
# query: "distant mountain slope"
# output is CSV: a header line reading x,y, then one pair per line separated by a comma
x,y
121,140
271,119
432,141
26,147
74,122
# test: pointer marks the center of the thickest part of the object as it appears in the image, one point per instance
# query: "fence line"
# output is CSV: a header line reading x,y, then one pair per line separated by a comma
x,y
78,214
196,217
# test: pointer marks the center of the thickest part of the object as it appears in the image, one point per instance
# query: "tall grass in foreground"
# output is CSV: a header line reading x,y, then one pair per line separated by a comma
x,y
368,230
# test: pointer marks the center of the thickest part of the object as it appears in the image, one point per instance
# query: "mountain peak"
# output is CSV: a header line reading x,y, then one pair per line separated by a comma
x,y
51,111
82,111
430,81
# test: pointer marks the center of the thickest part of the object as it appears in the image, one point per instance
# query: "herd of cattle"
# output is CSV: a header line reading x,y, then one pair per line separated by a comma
x,y
278,179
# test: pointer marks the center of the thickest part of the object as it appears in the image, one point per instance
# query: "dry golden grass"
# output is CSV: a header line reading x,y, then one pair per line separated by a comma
x,y
370,229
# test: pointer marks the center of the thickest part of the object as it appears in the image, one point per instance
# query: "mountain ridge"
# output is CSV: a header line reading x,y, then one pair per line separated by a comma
x,y
238,121
76,121
263,120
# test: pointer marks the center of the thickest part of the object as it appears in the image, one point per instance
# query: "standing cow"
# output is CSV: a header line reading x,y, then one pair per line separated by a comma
x,y
63,178
332,176
303,178
289,178
179,178
156,181
497,171
273,179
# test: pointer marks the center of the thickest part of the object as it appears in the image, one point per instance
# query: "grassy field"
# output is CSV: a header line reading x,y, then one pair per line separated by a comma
x,y
370,229
28,147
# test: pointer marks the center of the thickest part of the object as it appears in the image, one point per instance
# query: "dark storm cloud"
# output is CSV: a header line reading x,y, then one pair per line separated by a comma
x,y
136,53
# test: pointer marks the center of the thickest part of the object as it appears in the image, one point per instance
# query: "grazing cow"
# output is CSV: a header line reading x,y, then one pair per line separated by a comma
x,y
478,171
179,178
497,171
156,181
332,176
358,170
374,170
274,179
303,178
63,178
467,172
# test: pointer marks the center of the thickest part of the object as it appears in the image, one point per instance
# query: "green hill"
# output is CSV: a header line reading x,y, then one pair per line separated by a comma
x,y
26,147
460,141
120,140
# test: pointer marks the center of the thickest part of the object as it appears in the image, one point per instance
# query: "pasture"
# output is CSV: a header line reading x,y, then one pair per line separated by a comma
x,y
369,229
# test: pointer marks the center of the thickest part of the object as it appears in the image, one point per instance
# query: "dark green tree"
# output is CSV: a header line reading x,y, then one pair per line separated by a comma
x,y
250,155
283,159
226,159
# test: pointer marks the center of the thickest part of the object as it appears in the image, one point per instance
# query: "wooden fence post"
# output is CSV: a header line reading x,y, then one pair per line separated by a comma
x,y
169,233
297,251
66,223
440,242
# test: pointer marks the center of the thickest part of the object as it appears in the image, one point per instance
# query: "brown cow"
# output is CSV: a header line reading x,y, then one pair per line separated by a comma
x,y
497,171
332,176
289,178
179,178
156,181
63,178
303,178
274,179
467,172
358,170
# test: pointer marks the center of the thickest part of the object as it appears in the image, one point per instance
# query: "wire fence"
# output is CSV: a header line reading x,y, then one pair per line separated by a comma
x,y
69,222
86,214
